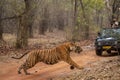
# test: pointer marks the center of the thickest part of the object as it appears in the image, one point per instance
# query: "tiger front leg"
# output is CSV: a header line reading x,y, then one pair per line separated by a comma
x,y
73,64
72,67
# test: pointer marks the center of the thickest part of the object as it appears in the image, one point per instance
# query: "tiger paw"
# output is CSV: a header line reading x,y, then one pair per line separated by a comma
x,y
81,67
19,72
36,71
72,67
28,73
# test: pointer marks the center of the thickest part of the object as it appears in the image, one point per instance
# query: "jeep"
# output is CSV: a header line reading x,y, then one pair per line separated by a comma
x,y
108,39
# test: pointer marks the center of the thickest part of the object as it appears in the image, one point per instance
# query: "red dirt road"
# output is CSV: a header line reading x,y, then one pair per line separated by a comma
x,y
8,70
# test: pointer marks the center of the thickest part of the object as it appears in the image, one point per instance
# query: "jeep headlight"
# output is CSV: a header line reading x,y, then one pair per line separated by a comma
x,y
116,42
99,43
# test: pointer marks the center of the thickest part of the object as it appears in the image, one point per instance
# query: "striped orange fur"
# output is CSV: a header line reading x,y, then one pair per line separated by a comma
x,y
50,56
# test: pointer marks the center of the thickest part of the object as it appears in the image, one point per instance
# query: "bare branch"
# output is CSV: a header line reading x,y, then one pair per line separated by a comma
x,y
108,5
13,17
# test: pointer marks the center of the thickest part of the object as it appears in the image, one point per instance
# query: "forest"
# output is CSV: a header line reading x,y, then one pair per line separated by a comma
x,y
39,24
79,19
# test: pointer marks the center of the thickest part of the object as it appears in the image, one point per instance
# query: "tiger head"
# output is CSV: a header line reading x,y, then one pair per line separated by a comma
x,y
73,47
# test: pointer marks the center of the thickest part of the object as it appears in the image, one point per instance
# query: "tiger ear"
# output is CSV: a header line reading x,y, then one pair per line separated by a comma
x,y
73,40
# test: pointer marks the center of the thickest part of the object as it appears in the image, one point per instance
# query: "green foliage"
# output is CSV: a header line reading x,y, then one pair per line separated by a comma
x,y
58,13
12,7
93,4
17,6
87,19
90,6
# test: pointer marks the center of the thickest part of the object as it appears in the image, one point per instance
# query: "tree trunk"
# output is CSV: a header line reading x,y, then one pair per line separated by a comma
x,y
113,8
22,35
74,20
1,28
43,27
44,22
30,31
101,22
85,21
1,31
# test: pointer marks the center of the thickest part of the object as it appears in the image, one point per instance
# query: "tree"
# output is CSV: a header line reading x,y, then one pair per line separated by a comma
x,y
73,16
30,30
113,7
75,6
22,35
1,28
44,21
85,20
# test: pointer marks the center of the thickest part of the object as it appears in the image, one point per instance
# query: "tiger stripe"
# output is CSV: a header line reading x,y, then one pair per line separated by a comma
x,y
50,56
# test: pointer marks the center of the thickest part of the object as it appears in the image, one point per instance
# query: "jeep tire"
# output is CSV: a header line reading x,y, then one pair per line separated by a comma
x,y
109,51
119,51
99,52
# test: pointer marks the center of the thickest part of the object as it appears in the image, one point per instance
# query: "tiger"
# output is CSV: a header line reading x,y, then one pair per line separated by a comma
x,y
50,56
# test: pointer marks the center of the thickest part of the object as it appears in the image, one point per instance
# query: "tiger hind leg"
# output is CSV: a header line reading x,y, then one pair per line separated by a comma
x,y
25,71
20,68
24,67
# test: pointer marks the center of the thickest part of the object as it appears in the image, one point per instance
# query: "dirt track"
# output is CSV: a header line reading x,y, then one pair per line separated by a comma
x,y
8,69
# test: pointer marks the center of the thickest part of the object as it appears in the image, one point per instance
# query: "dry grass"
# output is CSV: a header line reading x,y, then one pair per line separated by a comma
x,y
48,38
9,39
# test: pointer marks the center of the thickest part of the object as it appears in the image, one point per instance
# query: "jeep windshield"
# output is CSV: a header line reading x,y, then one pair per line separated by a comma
x,y
106,33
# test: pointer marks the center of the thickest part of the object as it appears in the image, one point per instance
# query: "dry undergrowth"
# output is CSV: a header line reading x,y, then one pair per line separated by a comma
x,y
38,42
100,70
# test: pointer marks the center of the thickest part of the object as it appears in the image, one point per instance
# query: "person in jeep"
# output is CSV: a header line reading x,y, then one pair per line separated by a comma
x,y
108,39
115,23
